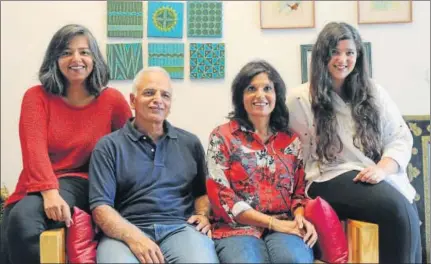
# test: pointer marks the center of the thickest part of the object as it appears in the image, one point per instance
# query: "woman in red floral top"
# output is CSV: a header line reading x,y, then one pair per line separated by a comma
x,y
256,185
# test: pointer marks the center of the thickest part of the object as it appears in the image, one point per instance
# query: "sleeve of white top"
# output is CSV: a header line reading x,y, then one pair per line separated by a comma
x,y
298,121
240,207
396,135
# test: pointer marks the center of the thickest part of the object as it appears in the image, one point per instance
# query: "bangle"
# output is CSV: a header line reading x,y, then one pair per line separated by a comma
x,y
270,222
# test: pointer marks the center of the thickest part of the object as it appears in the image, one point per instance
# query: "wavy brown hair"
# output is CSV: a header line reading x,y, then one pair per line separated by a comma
x,y
356,90
50,75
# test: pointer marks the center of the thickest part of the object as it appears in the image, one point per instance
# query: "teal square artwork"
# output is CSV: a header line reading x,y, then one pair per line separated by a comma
x,y
165,19
204,19
124,60
207,60
169,56
125,19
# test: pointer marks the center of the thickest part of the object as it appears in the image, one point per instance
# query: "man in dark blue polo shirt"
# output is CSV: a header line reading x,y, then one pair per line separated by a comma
x,y
147,184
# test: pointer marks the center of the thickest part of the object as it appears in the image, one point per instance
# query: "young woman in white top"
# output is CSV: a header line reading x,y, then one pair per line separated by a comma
x,y
356,144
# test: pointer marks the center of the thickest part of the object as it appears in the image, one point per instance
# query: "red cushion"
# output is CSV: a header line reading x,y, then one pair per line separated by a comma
x,y
332,240
81,246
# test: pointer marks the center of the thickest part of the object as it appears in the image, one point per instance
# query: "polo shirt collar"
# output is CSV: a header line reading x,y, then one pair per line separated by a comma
x,y
135,135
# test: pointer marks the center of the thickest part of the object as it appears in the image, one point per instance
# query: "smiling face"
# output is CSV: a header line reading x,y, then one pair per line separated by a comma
x,y
259,96
152,101
76,61
343,61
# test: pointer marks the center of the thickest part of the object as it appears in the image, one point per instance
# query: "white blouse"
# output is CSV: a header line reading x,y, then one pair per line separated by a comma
x,y
396,136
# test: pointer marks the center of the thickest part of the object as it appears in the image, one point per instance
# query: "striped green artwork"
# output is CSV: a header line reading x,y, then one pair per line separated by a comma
x,y
124,60
169,56
125,19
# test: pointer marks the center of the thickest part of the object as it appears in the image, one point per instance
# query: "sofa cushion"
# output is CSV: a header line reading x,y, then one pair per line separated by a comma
x,y
81,244
332,239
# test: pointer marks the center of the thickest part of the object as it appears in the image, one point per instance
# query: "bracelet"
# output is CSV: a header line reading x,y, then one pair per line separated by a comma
x,y
201,213
270,222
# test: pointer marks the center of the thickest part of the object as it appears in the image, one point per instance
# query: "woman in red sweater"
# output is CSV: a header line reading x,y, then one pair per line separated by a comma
x,y
61,121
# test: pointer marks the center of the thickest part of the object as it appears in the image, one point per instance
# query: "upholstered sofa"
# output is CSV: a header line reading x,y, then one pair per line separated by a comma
x,y
362,240
362,237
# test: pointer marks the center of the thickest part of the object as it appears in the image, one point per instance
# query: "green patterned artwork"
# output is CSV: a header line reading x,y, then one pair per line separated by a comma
x,y
124,60
204,19
125,19
419,174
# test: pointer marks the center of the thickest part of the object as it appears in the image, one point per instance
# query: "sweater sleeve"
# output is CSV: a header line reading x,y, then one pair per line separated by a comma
x,y
121,112
397,138
33,133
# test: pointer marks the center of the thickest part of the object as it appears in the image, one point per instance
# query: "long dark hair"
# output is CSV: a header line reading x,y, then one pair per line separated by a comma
x,y
50,75
279,119
356,90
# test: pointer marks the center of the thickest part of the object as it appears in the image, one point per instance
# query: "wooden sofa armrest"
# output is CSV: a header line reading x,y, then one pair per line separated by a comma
x,y
53,246
363,240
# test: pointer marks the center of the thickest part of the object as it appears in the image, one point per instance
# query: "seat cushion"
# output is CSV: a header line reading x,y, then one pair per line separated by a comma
x,y
80,242
332,239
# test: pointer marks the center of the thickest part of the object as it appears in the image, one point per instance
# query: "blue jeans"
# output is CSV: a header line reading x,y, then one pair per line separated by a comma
x,y
275,247
179,243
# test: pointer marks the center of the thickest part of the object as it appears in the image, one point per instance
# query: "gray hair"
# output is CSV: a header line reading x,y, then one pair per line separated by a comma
x,y
50,75
142,72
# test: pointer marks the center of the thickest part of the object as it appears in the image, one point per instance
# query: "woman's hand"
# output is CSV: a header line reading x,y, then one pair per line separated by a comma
x,y
373,175
310,236
56,207
287,227
202,223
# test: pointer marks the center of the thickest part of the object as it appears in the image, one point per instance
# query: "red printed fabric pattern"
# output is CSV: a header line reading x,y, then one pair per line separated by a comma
x,y
246,173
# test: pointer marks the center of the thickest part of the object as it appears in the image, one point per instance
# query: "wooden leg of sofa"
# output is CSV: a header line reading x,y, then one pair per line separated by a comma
x,y
53,246
363,239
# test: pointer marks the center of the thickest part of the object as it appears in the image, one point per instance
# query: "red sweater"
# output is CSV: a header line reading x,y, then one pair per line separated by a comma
x,y
57,139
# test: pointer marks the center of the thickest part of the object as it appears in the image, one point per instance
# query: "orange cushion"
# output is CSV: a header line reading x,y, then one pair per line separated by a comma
x,y
332,240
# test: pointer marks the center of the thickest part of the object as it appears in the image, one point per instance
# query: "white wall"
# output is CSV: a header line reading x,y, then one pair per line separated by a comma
x,y
401,58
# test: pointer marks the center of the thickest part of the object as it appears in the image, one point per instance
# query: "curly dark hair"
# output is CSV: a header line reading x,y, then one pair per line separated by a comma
x,y
356,90
279,119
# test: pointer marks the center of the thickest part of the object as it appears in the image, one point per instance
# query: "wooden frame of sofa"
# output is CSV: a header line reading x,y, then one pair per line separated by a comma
x,y
362,237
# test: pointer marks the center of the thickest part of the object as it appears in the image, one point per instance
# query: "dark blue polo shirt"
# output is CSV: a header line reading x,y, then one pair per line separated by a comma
x,y
148,183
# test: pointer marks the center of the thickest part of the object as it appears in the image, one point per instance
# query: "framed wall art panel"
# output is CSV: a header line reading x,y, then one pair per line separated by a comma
x,y
381,12
286,14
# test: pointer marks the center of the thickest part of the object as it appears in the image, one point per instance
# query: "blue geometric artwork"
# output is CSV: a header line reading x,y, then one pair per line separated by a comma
x,y
165,19
124,60
207,60
169,56
204,19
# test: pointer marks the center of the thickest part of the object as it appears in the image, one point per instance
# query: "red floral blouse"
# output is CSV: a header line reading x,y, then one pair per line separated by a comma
x,y
246,173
